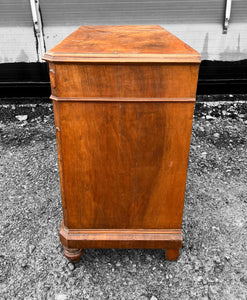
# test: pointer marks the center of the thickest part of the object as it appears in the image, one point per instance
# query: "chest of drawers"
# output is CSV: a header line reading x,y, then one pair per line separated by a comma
x,y
123,99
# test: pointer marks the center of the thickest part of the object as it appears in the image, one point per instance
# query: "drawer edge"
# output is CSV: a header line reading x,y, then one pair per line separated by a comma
x,y
108,99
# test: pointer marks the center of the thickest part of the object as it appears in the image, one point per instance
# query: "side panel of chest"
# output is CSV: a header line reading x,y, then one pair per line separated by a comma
x,y
124,164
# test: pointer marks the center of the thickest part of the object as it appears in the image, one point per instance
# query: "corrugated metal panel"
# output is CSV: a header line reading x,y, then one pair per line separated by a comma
x,y
197,22
76,12
15,13
239,11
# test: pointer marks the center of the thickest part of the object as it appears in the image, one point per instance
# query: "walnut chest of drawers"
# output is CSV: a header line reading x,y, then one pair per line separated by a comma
x,y
123,99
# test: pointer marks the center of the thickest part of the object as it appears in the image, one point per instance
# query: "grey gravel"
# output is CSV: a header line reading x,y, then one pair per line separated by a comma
x,y
212,262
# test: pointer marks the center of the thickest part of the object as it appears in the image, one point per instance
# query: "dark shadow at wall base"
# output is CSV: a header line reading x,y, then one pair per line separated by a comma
x,y
222,77
32,79
24,80
212,87
25,89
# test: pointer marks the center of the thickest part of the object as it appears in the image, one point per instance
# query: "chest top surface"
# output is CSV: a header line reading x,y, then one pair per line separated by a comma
x,y
127,43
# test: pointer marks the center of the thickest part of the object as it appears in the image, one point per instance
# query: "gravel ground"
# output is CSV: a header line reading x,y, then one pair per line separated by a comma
x,y
212,262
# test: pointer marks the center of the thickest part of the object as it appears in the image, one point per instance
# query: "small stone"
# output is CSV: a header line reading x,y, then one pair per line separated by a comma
x,y
197,266
209,117
21,117
118,264
216,135
217,259
153,298
241,116
149,257
211,292
244,280
204,154
24,264
71,266
133,270
6,225
60,297
227,257
31,249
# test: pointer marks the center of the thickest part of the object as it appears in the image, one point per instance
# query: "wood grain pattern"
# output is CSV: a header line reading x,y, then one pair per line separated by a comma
x,y
87,80
123,134
178,80
126,43
163,140
120,238
139,151
126,81
172,254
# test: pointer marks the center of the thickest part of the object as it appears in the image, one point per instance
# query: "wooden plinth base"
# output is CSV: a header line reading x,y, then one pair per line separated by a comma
x,y
172,254
74,240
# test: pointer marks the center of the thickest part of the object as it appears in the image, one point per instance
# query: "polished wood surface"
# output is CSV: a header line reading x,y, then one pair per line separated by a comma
x,y
126,80
133,149
172,253
128,43
123,135
120,238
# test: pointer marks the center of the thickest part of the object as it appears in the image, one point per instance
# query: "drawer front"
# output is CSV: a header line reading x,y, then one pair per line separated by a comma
x,y
81,80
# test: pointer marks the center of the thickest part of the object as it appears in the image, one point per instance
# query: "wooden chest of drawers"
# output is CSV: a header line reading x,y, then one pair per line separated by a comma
x,y
123,99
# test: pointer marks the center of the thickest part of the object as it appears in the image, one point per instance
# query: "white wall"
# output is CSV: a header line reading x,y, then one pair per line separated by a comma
x,y
17,44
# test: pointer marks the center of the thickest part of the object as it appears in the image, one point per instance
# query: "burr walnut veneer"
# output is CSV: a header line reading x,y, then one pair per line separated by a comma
x,y
123,99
